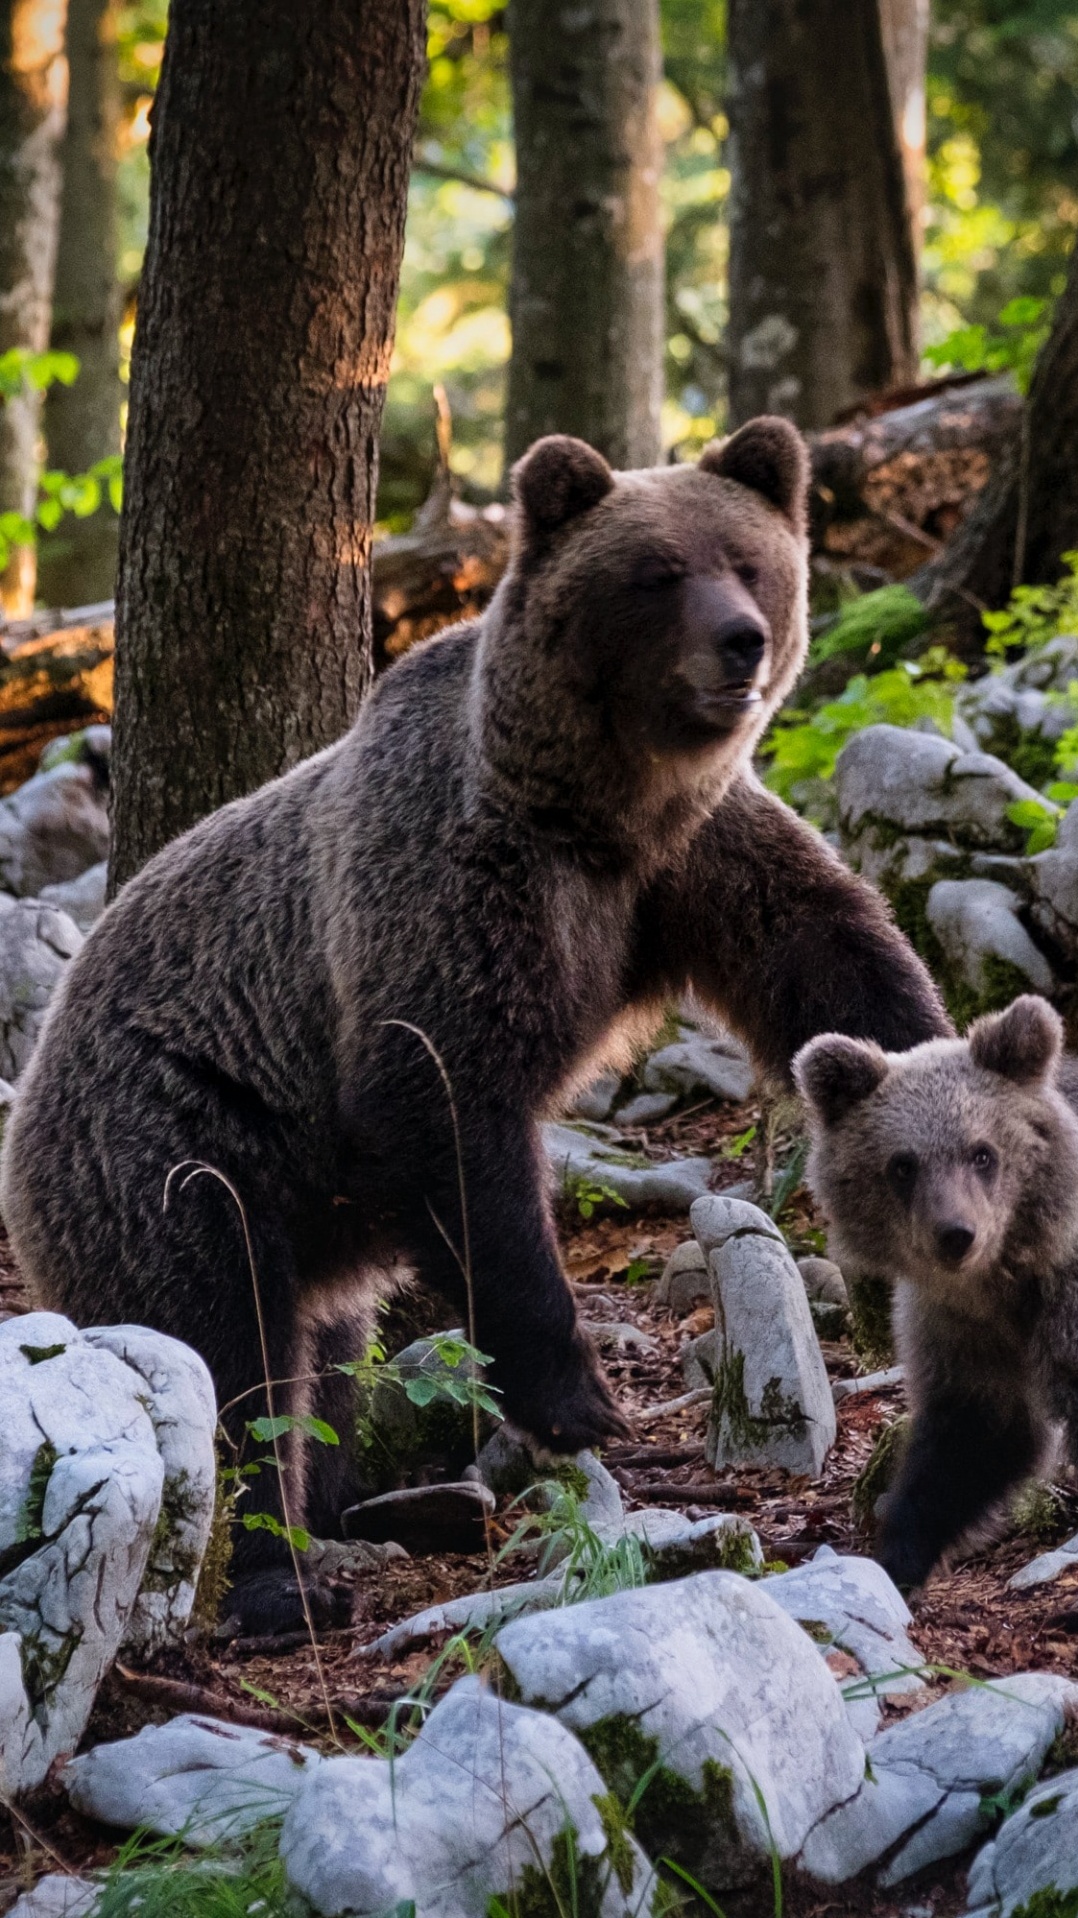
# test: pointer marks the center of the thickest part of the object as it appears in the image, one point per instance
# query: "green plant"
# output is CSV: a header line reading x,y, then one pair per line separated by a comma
x,y
454,1381
876,624
588,1195
1034,614
593,1567
801,748
1039,820
974,349
736,1148
21,373
158,1878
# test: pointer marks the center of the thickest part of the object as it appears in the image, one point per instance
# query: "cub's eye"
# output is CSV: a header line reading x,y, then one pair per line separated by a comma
x,y
657,569
748,575
983,1159
902,1171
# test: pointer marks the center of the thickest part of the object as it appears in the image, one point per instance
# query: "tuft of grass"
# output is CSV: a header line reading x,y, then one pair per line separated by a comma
x,y
158,1878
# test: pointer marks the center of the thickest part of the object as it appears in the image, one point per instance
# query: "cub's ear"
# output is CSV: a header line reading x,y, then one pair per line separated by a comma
x,y
769,456
833,1073
1024,1043
558,479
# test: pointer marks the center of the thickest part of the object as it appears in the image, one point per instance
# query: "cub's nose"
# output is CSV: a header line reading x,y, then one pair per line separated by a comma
x,y
954,1241
740,642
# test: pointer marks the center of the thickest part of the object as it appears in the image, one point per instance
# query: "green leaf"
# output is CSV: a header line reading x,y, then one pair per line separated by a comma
x,y
294,1535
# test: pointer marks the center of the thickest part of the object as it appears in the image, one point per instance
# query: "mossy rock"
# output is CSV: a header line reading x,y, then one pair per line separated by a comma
x,y
877,1475
870,1319
694,1826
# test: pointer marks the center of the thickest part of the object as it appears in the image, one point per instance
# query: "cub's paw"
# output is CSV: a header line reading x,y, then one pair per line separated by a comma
x,y
571,1407
904,1558
267,1604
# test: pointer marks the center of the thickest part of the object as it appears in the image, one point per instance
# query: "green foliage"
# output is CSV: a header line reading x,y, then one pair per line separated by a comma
x,y
158,1878
1034,614
1040,823
801,748
593,1567
588,1195
977,349
736,1148
877,625
21,373
459,1384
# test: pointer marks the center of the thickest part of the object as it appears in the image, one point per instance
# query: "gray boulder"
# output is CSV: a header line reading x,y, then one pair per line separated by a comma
x,y
685,1279
83,899
977,923
772,1401
1035,1851
850,1605
711,1688
1046,1567
201,1777
925,1796
698,1064
489,1802
892,782
596,1101
53,828
36,942
584,1163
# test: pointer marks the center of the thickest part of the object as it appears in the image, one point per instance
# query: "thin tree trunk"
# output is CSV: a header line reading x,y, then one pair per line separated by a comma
x,y
82,422
905,44
33,99
823,271
279,175
586,299
1028,517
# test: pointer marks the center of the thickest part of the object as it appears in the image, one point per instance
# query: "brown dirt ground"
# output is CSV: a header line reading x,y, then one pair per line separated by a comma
x,y
965,1623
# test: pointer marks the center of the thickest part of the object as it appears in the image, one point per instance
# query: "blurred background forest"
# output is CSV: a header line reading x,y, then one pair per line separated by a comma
x,y
999,215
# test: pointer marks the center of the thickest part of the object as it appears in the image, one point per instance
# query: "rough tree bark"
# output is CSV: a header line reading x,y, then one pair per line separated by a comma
x,y
586,297
33,99
823,269
82,422
279,173
1027,518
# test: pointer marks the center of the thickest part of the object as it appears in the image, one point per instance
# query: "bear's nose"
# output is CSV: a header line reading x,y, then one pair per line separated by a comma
x,y
740,643
954,1242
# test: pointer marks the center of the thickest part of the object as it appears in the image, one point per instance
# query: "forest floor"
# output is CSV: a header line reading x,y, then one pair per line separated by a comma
x,y
966,1623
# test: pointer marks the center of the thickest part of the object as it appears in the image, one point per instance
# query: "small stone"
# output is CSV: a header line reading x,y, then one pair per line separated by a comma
x,y
58,1895
925,1795
506,1462
675,1545
1035,1850
425,1519
349,1558
622,1333
201,1777
83,899
1046,1567
823,1281
404,1440
646,1109
700,1360
707,1679
596,1101
830,1321
474,1812
685,1279
697,1065
53,828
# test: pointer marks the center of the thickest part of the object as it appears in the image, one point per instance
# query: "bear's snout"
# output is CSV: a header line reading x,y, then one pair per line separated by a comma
x,y
727,639
954,1238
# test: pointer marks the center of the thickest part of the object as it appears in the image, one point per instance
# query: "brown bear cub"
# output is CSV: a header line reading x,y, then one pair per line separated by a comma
x,y
953,1170
543,825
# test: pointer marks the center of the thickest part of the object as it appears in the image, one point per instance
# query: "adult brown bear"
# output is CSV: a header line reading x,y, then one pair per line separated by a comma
x,y
541,826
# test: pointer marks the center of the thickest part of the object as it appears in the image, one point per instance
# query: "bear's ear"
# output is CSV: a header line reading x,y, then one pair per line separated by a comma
x,y
1023,1044
558,479
833,1073
769,456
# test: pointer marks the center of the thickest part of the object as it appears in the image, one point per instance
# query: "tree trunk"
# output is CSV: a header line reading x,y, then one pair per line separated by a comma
x,y
279,175
586,298
33,97
82,422
1028,517
823,271
905,45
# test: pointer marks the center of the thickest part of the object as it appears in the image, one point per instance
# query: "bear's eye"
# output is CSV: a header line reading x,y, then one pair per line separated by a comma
x,y
902,1171
983,1159
748,574
657,569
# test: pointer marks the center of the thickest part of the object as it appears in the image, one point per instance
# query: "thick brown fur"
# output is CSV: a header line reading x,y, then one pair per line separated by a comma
x,y
541,826
953,1170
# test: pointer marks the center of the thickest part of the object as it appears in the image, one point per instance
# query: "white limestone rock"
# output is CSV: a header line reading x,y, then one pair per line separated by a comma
x,y
675,1545
179,1398
923,787
930,1775
80,1491
647,1108
83,899
477,1808
53,827
823,1282
58,1894
596,1101
711,1678
1054,880
1046,1567
36,942
1035,1850
977,922
850,1605
580,1158
201,1777
474,1612
697,1065
772,1401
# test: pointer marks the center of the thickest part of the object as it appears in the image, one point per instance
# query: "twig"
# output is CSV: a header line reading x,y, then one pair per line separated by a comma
x,y
650,1413
460,177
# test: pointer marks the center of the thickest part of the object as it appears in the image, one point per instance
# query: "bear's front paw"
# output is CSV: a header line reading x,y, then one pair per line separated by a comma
x,y
905,1557
266,1604
571,1406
